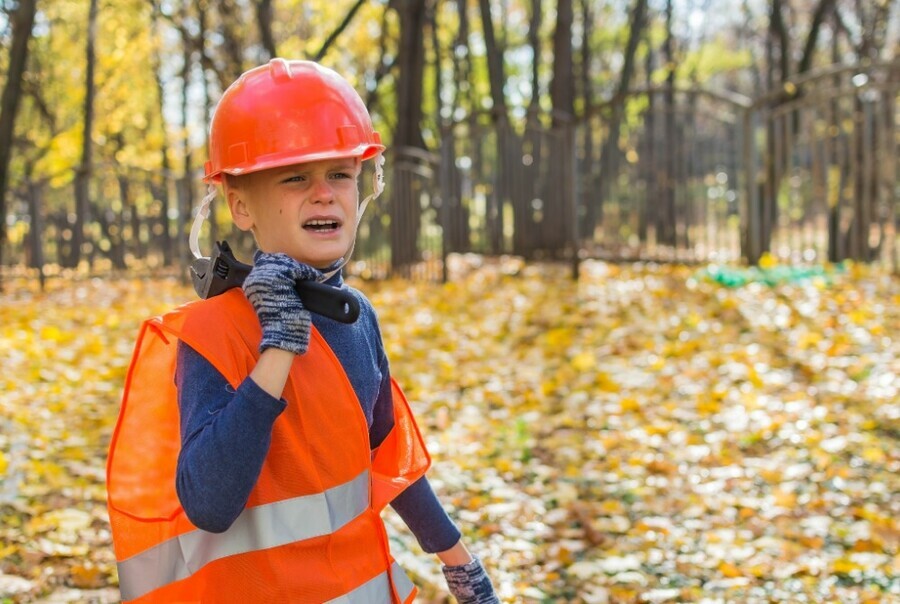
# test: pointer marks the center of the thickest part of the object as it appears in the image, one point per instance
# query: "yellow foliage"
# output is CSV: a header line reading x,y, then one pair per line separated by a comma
x,y
677,419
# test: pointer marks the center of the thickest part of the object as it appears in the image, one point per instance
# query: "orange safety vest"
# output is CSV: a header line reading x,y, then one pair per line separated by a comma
x,y
311,530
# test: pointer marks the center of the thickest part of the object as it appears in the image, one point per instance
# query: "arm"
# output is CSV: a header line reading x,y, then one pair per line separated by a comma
x,y
225,433
225,436
419,508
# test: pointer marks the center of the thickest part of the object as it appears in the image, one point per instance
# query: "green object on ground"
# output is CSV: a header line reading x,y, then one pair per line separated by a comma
x,y
739,276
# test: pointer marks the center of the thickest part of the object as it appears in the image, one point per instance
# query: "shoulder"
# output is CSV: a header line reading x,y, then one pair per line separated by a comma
x,y
223,330
228,310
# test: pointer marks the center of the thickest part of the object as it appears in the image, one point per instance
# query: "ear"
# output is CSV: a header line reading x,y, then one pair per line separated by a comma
x,y
240,211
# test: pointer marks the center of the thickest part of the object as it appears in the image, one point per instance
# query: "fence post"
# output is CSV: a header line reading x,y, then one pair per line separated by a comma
x,y
753,243
571,172
445,176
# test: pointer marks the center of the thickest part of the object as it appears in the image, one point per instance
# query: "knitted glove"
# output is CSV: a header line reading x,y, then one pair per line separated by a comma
x,y
270,289
470,584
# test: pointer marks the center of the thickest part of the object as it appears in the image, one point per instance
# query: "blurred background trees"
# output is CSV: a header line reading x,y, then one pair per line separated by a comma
x,y
549,89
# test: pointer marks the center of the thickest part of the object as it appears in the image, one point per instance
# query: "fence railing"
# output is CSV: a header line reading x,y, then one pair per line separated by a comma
x,y
807,173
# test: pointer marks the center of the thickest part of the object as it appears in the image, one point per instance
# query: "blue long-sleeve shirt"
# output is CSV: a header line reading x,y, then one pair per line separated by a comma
x,y
226,432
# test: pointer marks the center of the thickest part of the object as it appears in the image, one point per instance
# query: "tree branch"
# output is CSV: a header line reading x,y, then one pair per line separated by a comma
x,y
337,32
822,10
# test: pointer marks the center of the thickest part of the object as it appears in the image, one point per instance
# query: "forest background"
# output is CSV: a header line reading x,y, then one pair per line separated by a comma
x,y
662,436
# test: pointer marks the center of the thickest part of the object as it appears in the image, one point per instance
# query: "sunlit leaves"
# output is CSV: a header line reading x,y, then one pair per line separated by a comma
x,y
643,435
64,356
649,435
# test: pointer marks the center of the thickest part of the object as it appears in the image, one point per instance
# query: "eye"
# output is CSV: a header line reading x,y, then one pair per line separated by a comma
x,y
341,175
294,178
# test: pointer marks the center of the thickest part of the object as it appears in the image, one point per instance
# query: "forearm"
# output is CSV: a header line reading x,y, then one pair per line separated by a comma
x,y
456,555
272,370
421,511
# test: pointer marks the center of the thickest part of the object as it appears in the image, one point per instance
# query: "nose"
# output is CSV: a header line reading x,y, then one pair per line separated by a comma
x,y
323,192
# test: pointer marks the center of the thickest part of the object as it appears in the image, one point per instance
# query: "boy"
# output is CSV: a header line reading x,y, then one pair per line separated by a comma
x,y
259,476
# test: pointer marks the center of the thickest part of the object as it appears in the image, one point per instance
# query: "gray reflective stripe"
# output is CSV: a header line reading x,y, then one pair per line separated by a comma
x,y
404,586
377,590
257,528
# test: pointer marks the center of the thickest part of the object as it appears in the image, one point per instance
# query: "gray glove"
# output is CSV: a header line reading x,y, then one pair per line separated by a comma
x,y
270,289
470,584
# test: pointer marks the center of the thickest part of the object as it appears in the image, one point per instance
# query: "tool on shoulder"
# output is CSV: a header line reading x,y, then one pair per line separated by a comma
x,y
222,271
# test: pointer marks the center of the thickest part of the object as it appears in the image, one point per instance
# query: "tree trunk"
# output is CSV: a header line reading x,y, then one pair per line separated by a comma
x,y
780,134
665,205
264,15
505,137
186,189
36,228
213,224
610,153
22,21
83,173
456,230
559,222
163,192
234,53
526,231
562,86
589,187
650,154
406,214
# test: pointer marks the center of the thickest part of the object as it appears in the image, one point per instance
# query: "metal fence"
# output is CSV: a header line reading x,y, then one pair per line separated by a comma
x,y
808,174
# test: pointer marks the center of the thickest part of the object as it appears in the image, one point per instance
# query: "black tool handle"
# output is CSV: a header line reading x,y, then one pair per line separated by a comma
x,y
328,301
222,271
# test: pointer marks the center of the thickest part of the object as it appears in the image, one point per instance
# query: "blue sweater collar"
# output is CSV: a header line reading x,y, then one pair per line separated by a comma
x,y
336,280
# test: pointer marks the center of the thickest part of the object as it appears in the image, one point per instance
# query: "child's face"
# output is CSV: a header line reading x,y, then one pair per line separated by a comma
x,y
307,211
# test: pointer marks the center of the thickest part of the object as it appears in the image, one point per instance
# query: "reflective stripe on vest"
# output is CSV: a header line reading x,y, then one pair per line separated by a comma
x,y
377,590
257,528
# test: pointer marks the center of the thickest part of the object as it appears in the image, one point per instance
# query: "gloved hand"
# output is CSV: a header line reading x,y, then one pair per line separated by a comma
x,y
470,584
270,289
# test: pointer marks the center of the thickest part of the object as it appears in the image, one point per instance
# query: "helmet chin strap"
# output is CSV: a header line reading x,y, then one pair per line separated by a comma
x,y
377,189
202,214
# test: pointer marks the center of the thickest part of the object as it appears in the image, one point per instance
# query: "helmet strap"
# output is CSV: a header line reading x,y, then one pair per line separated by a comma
x,y
202,214
377,189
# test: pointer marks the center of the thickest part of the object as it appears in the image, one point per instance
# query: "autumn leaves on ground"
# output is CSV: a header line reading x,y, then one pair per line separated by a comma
x,y
646,434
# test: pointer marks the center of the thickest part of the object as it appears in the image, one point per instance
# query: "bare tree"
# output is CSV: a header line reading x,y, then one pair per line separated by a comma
x,y
505,137
562,86
779,132
456,216
406,215
610,153
665,204
559,223
496,75
83,172
22,22
230,19
339,30
186,185
264,16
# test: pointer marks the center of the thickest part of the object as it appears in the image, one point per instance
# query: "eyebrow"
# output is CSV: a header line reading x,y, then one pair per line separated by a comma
x,y
347,165
343,165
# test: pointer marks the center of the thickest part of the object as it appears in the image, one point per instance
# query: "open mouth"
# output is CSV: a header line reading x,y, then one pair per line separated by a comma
x,y
322,225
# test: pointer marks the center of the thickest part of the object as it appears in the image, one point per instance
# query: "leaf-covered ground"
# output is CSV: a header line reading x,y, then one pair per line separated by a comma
x,y
643,435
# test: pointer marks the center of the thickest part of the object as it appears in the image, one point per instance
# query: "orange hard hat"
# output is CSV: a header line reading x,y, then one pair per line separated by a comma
x,y
287,112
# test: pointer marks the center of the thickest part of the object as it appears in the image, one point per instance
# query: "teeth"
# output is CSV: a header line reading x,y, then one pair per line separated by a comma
x,y
321,223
